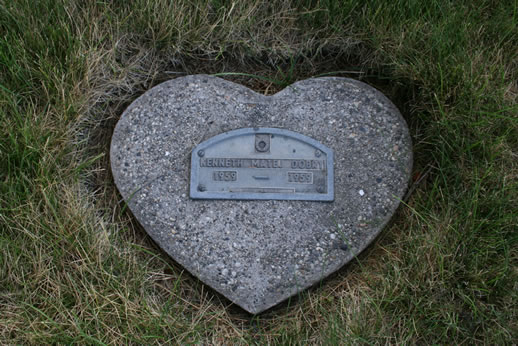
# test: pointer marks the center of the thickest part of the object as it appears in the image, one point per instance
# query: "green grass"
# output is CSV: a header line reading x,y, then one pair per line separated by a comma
x,y
76,268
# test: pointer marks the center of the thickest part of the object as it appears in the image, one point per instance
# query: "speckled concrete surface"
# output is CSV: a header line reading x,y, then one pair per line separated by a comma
x,y
258,253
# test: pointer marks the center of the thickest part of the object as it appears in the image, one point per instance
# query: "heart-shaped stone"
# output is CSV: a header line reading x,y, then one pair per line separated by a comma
x,y
259,252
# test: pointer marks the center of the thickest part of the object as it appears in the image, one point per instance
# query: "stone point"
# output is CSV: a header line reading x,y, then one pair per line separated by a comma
x,y
258,253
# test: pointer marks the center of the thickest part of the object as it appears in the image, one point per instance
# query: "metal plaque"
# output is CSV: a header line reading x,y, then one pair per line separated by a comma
x,y
262,163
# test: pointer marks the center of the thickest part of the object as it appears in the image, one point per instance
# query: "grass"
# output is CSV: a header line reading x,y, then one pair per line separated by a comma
x,y
76,268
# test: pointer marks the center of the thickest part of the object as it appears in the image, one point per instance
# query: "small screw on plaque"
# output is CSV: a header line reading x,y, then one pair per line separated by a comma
x,y
262,143
318,153
201,188
201,153
320,189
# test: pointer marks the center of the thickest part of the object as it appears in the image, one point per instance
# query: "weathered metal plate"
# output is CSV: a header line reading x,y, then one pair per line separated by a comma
x,y
262,163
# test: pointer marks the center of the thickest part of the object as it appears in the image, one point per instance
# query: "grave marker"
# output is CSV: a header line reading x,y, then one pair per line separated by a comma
x,y
261,196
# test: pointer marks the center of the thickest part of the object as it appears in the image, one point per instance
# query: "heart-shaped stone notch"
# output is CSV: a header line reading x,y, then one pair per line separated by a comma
x,y
259,252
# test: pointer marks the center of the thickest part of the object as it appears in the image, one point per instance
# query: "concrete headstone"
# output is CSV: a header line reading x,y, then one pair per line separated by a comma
x,y
259,252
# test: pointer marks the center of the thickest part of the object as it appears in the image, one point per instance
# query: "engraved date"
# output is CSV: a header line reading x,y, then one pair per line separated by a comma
x,y
224,176
300,177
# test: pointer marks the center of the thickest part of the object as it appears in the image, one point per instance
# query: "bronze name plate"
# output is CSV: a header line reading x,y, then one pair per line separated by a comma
x,y
262,163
